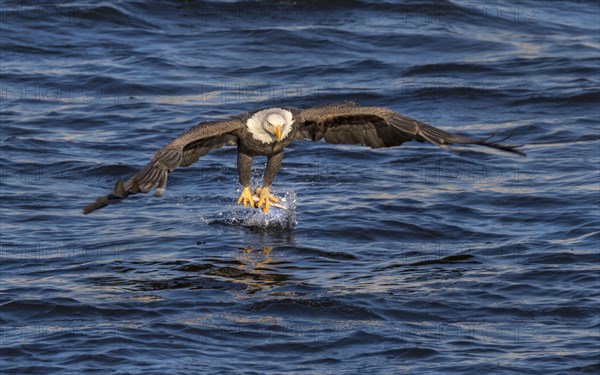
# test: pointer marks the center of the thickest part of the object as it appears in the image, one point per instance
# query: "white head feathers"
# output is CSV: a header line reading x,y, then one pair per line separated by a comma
x,y
275,116
275,119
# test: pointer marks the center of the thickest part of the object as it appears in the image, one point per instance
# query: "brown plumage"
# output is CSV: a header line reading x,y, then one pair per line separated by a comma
x,y
256,133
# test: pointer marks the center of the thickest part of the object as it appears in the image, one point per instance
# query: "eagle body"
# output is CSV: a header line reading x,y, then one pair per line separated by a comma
x,y
268,131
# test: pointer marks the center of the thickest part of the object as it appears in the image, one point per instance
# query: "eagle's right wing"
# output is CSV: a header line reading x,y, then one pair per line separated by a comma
x,y
181,152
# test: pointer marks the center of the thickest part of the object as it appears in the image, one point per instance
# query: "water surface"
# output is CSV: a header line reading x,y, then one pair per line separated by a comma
x,y
409,259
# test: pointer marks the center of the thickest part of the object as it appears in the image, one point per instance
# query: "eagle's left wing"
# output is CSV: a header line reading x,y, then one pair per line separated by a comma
x,y
379,127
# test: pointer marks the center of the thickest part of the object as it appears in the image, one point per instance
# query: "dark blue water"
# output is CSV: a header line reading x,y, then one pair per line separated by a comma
x,y
409,259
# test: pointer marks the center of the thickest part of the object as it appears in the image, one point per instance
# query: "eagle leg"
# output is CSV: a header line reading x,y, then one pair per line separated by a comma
x,y
246,197
265,198
244,166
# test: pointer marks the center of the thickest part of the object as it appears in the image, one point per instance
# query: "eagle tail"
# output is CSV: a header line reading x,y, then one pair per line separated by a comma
x,y
443,138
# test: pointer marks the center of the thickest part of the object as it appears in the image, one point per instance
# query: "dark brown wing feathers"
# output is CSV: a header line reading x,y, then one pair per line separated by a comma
x,y
379,127
181,152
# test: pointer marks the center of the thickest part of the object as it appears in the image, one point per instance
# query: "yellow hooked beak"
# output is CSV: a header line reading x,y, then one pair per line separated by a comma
x,y
278,132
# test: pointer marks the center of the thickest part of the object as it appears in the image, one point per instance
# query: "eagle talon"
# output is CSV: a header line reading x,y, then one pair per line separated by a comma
x,y
265,198
246,197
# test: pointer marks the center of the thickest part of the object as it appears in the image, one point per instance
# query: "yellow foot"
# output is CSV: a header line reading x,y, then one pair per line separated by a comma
x,y
265,198
246,197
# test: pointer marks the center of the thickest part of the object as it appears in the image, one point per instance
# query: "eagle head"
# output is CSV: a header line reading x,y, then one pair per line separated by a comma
x,y
270,125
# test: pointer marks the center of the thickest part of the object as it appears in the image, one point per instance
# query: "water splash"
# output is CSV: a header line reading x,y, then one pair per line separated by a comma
x,y
275,218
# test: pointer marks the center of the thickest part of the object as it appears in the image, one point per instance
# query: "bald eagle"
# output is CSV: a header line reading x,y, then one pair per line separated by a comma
x,y
267,132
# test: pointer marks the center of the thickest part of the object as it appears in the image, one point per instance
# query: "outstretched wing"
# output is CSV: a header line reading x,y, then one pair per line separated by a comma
x,y
181,152
379,127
